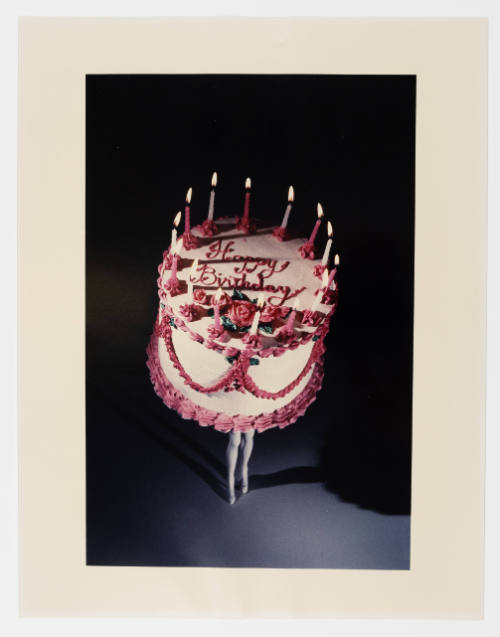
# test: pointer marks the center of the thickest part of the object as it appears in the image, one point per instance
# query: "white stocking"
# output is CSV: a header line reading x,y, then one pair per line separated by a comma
x,y
247,444
231,458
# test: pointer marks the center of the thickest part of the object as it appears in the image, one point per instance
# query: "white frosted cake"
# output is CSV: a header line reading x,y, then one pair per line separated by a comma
x,y
239,338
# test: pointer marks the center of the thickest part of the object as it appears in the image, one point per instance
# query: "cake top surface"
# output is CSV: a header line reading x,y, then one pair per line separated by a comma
x,y
245,267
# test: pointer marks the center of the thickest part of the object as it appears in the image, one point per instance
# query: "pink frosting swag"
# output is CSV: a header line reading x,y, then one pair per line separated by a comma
x,y
185,407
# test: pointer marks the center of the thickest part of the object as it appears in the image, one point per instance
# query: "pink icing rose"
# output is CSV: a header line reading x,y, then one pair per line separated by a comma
x,y
200,296
241,313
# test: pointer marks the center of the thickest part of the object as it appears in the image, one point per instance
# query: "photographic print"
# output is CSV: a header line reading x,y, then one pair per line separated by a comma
x,y
249,320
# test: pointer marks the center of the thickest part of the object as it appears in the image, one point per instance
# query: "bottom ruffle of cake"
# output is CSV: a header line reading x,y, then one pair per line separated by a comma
x,y
225,423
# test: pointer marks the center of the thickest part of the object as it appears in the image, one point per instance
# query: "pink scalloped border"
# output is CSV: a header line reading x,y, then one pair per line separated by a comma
x,y
187,409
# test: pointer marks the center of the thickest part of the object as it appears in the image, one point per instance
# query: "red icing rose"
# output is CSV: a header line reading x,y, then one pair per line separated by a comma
x,y
200,296
241,313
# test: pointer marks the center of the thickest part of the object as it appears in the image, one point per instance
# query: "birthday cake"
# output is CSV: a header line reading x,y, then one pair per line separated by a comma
x,y
243,312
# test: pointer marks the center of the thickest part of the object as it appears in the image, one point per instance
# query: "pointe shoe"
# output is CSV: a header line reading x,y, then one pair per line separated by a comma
x,y
244,487
231,498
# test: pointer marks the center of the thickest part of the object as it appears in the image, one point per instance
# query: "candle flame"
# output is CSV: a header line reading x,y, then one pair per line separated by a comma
x,y
178,246
248,183
324,280
260,301
333,285
297,303
330,230
189,195
337,259
194,267
214,180
291,194
320,211
177,219
218,294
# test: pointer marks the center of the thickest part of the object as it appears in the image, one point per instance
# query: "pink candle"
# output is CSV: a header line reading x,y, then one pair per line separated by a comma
x,y
316,225
333,272
293,313
187,212
246,207
217,309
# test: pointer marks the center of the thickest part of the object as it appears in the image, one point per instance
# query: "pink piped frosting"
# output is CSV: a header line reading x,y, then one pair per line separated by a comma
x,y
209,228
281,233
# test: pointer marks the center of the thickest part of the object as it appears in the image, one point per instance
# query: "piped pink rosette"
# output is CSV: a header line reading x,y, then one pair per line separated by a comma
x,y
172,286
311,318
167,260
307,250
247,226
215,332
253,340
281,234
188,311
190,241
318,270
329,297
209,228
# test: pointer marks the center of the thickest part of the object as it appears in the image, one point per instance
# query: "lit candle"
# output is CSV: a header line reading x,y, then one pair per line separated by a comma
x,y
211,203
328,247
216,308
175,260
187,212
288,208
194,267
246,207
173,241
291,318
256,316
333,272
319,293
317,224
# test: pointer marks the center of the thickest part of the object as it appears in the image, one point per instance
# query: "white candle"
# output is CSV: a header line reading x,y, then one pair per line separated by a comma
x,y
288,208
256,316
328,247
159,314
218,294
319,294
194,267
293,313
211,203
173,241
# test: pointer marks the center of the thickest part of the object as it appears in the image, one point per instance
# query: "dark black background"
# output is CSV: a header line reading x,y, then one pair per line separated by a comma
x,y
346,141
